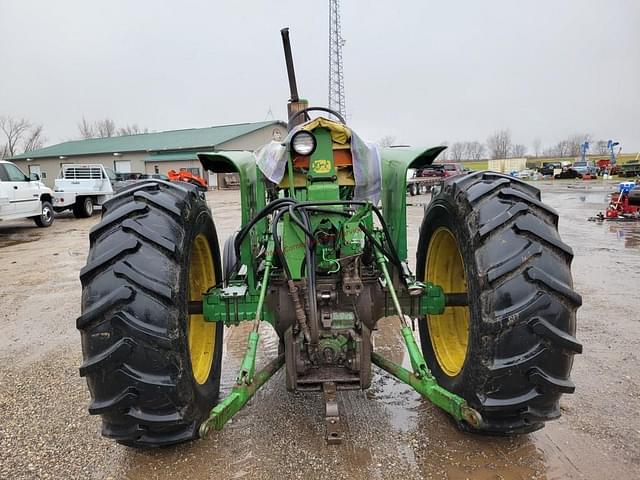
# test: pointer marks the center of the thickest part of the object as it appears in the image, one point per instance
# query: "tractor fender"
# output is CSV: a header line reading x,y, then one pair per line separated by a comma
x,y
252,192
395,163
244,164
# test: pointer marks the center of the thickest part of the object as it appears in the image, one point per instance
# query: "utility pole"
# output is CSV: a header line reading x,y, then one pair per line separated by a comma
x,y
336,76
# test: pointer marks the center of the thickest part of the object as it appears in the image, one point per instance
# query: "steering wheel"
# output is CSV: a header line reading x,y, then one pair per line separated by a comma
x,y
322,109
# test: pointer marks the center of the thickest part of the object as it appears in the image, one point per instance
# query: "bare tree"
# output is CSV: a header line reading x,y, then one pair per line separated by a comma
x,y
475,150
13,130
537,147
570,147
444,156
98,129
134,129
457,151
386,141
574,143
86,129
518,150
105,128
601,147
560,149
499,144
34,139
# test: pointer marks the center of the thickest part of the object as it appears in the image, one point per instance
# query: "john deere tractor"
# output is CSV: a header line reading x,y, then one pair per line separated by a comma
x,y
321,256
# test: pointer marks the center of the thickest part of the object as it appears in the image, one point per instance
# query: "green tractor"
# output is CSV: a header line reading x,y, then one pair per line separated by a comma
x,y
321,256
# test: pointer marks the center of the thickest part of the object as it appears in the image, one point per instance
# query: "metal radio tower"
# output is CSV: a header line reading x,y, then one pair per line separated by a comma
x,y
336,77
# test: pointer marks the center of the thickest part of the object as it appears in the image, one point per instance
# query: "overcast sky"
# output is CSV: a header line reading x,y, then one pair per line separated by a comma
x,y
421,71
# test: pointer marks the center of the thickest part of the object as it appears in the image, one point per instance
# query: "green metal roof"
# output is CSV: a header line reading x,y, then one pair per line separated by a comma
x,y
171,157
190,138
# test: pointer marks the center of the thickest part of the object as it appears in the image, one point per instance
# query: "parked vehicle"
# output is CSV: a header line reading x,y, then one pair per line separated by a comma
x,y
604,165
526,173
493,299
83,187
452,169
630,169
586,167
549,168
431,171
443,170
419,183
187,176
567,172
24,197
123,180
158,176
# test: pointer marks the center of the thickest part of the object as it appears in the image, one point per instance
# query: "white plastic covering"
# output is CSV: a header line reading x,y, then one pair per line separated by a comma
x,y
272,162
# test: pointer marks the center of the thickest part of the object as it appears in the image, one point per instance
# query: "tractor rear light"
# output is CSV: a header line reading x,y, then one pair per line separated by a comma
x,y
303,143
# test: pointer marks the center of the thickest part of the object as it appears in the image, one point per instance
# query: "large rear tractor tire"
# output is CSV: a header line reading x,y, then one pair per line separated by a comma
x,y
152,369
510,352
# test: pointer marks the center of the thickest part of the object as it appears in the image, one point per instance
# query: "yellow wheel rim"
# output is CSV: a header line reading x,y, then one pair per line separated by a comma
x,y
202,335
449,332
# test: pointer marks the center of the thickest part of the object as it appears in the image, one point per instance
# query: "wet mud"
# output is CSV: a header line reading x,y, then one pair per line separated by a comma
x,y
390,432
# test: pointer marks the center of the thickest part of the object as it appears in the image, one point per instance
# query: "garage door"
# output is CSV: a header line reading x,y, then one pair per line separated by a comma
x,y
123,166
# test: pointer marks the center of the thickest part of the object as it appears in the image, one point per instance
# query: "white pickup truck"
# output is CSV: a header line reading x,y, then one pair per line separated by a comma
x,y
81,187
24,197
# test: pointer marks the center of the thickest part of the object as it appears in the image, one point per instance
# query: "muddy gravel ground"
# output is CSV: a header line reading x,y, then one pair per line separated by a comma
x,y
46,432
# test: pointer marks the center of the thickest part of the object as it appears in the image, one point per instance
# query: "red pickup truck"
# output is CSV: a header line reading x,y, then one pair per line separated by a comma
x,y
444,170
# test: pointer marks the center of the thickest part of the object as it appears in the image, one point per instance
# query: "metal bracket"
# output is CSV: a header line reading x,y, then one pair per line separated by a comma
x,y
333,433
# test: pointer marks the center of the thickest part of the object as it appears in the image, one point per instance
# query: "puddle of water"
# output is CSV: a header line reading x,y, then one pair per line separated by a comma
x,y
626,232
400,399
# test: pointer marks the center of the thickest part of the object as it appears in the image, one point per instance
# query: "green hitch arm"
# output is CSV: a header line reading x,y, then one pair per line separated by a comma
x,y
265,282
238,398
248,367
421,379
382,262
427,386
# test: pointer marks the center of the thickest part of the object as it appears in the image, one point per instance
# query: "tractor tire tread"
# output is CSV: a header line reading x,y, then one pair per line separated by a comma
x,y
111,219
143,331
121,400
106,303
115,353
137,277
537,232
524,300
162,202
545,329
146,234
514,264
135,352
559,288
125,247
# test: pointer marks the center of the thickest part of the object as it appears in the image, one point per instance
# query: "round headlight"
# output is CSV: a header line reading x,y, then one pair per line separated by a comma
x,y
303,143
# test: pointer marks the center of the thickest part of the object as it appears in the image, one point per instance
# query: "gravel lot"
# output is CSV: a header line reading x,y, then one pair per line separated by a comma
x,y
46,432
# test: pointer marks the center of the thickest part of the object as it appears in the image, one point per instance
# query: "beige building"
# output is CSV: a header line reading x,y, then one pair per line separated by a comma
x,y
156,152
506,165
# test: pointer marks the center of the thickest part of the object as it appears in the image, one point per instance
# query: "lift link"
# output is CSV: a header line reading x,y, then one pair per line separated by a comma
x,y
421,379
